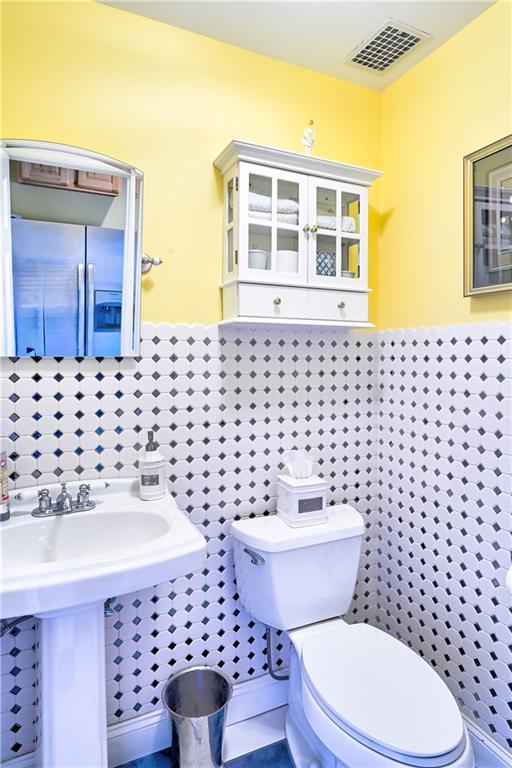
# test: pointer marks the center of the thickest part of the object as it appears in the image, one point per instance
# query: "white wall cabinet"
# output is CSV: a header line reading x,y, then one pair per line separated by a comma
x,y
295,237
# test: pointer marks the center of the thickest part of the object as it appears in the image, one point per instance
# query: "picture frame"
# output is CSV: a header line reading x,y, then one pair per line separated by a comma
x,y
488,219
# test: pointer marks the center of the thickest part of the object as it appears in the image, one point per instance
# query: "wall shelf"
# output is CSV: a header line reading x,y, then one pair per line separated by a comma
x,y
266,321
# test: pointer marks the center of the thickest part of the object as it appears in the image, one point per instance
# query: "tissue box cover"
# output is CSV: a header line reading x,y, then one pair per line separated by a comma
x,y
301,501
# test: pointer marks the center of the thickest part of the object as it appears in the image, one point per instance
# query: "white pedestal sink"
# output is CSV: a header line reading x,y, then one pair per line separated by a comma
x,y
62,569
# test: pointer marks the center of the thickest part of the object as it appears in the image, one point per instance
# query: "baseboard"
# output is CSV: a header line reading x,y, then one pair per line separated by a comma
x,y
254,733
488,754
24,761
150,733
255,719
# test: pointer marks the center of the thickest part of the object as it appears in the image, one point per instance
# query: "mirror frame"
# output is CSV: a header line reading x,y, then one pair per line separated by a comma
x,y
469,244
67,156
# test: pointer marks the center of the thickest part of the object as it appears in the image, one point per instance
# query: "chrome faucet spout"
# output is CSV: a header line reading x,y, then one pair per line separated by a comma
x,y
64,502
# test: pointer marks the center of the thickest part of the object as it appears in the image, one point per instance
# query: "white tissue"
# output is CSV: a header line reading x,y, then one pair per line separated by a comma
x,y
298,465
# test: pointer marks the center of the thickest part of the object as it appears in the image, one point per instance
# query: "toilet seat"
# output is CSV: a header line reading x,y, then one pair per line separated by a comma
x,y
382,694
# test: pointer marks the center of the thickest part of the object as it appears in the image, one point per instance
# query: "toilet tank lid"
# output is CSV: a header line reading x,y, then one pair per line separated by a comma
x,y
271,534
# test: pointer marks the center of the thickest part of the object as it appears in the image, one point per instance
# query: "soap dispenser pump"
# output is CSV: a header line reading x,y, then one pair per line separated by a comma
x,y
151,471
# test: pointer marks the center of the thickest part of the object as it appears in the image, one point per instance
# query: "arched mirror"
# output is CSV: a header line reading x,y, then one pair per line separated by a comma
x,y
70,241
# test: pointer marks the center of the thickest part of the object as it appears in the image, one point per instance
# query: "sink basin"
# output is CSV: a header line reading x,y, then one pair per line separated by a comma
x,y
93,534
122,545
62,569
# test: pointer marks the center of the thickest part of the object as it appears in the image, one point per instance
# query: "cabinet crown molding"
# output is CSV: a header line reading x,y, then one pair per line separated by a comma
x,y
245,151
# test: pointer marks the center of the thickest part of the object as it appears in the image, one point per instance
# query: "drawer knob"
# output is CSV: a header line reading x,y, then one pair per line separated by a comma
x,y
342,304
306,228
277,301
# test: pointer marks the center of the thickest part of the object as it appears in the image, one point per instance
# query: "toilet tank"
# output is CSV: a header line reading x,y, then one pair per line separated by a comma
x,y
289,577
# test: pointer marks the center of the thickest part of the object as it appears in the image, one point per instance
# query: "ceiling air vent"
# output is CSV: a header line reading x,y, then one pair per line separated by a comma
x,y
386,46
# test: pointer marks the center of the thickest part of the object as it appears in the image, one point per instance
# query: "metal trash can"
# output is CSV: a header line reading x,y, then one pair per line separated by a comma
x,y
197,699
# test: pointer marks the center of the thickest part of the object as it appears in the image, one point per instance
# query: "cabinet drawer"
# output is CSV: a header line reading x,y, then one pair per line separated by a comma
x,y
272,301
337,305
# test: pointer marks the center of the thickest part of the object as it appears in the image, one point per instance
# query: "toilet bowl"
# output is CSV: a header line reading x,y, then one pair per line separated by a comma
x,y
358,698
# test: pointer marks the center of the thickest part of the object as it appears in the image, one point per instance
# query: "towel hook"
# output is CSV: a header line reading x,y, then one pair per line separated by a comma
x,y
148,262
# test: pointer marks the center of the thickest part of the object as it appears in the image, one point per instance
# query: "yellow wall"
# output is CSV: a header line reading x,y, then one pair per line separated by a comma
x,y
456,100
168,101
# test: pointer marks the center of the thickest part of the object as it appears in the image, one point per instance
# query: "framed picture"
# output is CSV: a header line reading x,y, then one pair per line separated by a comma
x,y
488,219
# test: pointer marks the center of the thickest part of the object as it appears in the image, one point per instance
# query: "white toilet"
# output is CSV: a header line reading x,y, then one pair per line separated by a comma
x,y
358,697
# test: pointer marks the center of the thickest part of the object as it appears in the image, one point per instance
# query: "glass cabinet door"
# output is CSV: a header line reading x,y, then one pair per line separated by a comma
x,y
273,210
337,246
230,218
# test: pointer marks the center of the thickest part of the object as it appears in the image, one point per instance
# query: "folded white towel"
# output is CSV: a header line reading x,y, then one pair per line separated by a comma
x,y
287,206
326,222
259,202
260,214
284,218
288,218
348,224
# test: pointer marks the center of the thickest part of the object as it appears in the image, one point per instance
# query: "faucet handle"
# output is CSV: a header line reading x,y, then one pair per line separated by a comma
x,y
83,493
44,499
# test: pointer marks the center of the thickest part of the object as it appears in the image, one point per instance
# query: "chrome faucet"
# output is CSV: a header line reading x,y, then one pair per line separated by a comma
x,y
64,503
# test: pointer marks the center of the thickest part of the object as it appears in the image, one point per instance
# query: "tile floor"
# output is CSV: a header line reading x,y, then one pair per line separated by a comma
x,y
274,756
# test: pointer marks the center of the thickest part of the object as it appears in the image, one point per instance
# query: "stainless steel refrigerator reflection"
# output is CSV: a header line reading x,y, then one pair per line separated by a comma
x,y
104,290
67,281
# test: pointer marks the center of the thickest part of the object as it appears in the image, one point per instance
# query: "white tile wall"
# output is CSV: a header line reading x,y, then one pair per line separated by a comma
x,y
392,420
445,457
224,408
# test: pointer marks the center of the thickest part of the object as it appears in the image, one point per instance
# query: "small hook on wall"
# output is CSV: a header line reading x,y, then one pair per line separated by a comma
x,y
148,262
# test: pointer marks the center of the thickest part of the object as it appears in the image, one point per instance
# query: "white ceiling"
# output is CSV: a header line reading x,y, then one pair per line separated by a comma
x,y
314,34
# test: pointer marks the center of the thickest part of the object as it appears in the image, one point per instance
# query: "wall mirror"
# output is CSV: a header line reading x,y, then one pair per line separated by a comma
x,y
70,241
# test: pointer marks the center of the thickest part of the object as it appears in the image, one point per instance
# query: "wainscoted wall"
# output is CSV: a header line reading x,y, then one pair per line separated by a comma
x,y
224,408
445,511
412,427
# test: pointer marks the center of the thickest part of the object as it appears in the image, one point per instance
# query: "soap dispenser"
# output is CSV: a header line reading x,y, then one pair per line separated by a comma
x,y
151,471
